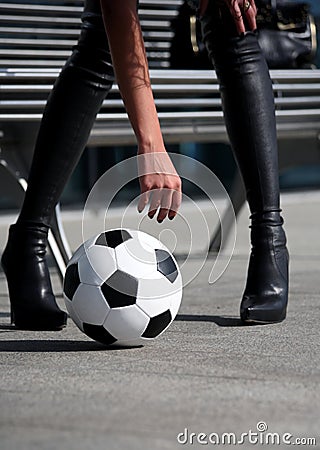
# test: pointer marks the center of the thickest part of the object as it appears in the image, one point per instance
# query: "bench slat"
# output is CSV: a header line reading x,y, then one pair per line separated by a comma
x,y
34,64
292,115
70,21
173,88
64,32
76,11
43,9
165,103
178,76
40,31
162,24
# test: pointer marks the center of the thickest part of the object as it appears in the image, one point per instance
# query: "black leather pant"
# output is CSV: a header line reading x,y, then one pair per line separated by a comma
x,y
88,76
248,105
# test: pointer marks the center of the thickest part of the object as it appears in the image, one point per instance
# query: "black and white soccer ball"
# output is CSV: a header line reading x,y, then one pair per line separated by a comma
x,y
122,287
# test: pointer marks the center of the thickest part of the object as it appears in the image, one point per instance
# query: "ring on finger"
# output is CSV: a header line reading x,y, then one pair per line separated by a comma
x,y
246,5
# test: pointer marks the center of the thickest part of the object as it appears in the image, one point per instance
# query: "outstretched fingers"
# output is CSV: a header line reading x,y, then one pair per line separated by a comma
x,y
143,200
164,202
160,185
155,203
175,204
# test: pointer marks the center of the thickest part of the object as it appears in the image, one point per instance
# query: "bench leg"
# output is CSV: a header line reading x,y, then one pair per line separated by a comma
x,y
238,198
57,240
62,253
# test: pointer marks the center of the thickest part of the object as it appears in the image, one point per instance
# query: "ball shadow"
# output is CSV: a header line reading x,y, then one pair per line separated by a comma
x,y
47,346
222,321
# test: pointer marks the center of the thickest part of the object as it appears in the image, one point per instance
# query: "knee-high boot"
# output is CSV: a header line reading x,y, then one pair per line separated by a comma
x,y
248,106
68,118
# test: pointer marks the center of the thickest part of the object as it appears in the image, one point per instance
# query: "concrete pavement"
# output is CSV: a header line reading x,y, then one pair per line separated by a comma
x,y
206,374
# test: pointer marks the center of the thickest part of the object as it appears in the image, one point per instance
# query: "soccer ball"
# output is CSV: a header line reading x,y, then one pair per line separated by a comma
x,y
122,287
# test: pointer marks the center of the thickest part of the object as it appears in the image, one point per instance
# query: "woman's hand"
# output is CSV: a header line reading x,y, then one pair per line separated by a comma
x,y
242,11
160,185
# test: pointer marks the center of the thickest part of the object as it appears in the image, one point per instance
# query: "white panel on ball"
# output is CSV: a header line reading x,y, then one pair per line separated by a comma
x,y
147,241
97,265
126,323
72,313
82,249
136,260
77,255
159,288
154,306
176,296
175,302
89,304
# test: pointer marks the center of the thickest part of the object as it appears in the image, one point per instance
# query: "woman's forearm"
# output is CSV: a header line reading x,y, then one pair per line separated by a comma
x,y
131,68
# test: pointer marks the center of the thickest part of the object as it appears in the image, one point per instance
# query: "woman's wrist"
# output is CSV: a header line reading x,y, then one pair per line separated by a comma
x,y
151,146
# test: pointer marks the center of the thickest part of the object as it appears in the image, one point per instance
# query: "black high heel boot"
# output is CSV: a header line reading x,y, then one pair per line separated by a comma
x,y
68,118
248,105
266,293
33,305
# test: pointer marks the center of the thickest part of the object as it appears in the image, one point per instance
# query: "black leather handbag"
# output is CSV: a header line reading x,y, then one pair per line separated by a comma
x,y
187,49
286,33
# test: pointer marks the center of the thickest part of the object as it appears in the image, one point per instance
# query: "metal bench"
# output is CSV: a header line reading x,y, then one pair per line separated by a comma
x,y
35,39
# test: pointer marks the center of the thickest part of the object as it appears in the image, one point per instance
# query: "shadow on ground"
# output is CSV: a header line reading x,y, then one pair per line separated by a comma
x,y
43,346
222,321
